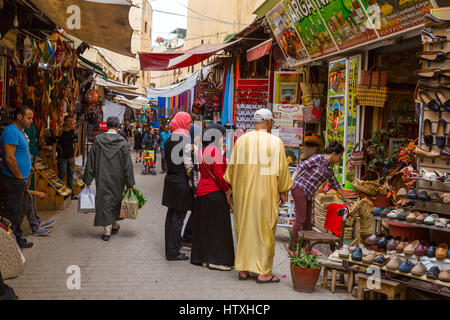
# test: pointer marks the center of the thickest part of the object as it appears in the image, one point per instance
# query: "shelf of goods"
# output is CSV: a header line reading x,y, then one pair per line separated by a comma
x,y
419,282
440,164
378,220
59,195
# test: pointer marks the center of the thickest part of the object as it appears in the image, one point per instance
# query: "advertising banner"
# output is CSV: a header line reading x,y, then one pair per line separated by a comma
x,y
310,27
347,23
392,16
288,40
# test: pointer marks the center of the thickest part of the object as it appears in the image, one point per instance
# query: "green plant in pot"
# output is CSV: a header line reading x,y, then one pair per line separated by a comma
x,y
305,270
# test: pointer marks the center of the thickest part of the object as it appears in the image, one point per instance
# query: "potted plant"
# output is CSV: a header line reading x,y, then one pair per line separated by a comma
x,y
305,270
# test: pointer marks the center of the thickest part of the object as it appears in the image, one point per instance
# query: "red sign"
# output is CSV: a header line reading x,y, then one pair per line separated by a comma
x,y
103,126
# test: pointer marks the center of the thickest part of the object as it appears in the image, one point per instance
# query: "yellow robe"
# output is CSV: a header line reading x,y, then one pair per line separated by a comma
x,y
258,172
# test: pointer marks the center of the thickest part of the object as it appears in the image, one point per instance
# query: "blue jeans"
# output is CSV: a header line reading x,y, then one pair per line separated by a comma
x,y
65,167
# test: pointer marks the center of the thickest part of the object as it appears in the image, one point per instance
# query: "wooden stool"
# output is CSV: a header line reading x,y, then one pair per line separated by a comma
x,y
336,269
387,287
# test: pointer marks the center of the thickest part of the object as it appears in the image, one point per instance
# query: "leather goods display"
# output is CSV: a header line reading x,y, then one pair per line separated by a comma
x,y
394,262
421,217
357,254
384,212
431,250
411,217
441,251
406,266
428,100
411,247
369,258
401,246
423,195
381,244
440,134
444,276
393,243
402,215
431,219
344,252
376,211
380,260
432,21
433,272
419,269
429,37
373,239
412,194
421,249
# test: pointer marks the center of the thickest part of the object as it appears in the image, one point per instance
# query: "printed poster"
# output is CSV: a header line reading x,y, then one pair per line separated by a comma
x,y
288,40
292,137
310,27
392,16
347,23
335,127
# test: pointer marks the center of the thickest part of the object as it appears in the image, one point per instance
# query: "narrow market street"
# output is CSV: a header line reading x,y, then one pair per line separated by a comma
x,y
132,264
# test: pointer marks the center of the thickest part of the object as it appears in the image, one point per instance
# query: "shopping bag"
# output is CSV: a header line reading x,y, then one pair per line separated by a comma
x,y
132,206
11,258
86,200
129,206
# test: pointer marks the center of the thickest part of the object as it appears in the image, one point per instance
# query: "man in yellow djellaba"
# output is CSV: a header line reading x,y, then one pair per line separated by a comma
x,y
258,173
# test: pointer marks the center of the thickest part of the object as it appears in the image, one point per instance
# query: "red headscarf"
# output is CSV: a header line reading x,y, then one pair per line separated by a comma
x,y
180,123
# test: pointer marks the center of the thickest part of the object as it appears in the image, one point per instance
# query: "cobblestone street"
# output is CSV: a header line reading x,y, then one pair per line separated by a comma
x,y
132,264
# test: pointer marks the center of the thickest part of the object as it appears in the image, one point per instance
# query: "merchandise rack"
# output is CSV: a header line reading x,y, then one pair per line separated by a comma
x,y
410,280
377,224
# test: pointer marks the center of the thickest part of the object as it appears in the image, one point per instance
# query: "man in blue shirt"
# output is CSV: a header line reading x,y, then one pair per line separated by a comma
x,y
164,136
16,168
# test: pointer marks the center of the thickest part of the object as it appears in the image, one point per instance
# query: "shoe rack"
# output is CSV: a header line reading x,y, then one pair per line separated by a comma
x,y
440,164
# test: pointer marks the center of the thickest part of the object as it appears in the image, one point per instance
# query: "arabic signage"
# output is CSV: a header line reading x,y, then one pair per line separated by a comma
x,y
329,26
287,38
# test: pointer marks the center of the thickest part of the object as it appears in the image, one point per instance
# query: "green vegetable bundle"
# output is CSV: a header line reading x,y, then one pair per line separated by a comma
x,y
138,195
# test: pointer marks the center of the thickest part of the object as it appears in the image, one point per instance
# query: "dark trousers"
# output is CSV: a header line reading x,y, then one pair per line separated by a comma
x,y
303,212
174,224
187,234
12,195
29,208
65,167
163,160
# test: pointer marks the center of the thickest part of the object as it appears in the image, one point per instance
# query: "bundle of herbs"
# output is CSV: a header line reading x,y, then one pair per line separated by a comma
x,y
142,201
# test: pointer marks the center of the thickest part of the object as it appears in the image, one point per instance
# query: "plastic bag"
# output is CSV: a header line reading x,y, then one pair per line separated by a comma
x,y
129,206
86,200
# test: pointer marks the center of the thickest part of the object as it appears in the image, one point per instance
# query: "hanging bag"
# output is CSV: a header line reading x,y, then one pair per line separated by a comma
x,y
357,158
11,258
372,89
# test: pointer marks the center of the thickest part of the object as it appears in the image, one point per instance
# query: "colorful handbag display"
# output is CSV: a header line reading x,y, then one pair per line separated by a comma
x,y
372,89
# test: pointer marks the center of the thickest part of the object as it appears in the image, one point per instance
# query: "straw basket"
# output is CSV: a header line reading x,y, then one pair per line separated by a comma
x,y
369,187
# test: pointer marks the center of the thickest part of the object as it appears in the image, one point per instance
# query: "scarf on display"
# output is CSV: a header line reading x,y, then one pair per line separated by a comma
x,y
180,123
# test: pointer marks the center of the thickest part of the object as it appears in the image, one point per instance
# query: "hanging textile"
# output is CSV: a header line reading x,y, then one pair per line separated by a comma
x,y
225,99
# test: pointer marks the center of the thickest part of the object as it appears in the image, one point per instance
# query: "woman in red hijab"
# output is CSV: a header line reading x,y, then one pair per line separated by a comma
x,y
180,183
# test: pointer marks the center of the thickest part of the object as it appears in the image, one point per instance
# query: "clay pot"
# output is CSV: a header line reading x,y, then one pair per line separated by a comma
x,y
304,280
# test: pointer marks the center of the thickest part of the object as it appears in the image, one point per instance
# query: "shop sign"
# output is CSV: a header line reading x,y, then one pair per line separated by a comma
x,y
287,38
328,26
389,17
310,26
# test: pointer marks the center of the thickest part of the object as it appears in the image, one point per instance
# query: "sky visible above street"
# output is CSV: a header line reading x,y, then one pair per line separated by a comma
x,y
163,23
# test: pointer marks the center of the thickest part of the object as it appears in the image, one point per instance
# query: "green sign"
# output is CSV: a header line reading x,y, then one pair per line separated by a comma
x,y
310,26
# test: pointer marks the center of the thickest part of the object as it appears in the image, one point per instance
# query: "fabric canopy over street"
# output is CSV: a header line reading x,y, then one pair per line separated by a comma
x,y
103,23
164,61
113,84
174,89
259,51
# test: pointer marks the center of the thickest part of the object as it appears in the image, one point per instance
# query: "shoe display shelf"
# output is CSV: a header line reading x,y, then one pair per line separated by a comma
x,y
377,224
410,280
59,195
442,163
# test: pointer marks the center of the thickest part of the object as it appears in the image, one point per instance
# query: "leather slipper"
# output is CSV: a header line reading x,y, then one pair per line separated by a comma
x,y
427,133
443,100
440,134
431,55
271,280
427,100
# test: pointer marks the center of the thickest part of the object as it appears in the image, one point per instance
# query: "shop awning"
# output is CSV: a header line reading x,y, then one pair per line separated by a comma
x,y
103,23
165,61
113,84
259,51
92,66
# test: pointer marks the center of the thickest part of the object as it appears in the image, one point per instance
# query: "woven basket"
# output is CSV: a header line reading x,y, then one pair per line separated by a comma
x,y
372,96
370,187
